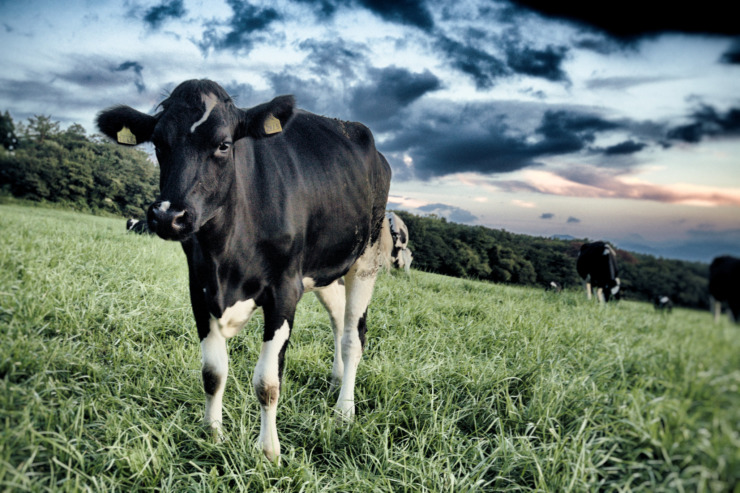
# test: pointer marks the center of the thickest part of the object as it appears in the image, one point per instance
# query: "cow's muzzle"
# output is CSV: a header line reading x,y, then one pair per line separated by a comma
x,y
170,223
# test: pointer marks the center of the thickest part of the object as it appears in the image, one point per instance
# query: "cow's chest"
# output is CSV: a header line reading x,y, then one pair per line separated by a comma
x,y
234,318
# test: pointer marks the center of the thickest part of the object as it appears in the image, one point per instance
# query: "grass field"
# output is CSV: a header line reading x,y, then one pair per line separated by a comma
x,y
464,386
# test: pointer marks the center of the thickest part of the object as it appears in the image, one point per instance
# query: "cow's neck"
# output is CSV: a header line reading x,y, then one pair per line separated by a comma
x,y
225,245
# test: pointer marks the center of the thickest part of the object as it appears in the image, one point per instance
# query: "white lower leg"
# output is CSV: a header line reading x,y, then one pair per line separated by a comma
x,y
268,430
351,354
333,299
215,365
267,388
716,307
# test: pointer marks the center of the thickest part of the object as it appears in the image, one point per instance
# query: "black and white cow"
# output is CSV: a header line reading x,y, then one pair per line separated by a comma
x,y
663,303
597,266
724,286
137,226
268,203
401,256
554,286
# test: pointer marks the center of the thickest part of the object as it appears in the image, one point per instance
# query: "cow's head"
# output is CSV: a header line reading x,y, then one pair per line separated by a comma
x,y
194,136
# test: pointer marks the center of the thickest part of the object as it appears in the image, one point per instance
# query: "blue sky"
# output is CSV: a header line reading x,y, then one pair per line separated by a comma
x,y
601,123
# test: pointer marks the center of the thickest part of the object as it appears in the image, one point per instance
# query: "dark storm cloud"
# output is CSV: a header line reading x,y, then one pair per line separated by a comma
x,y
389,90
31,90
573,220
732,55
337,56
626,147
547,215
313,94
245,28
137,69
483,67
323,9
707,122
158,14
475,138
452,213
408,12
567,132
545,64
631,19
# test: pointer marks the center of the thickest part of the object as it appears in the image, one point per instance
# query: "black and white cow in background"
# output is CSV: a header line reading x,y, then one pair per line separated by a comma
x,y
137,226
268,203
401,256
724,286
554,287
663,303
597,265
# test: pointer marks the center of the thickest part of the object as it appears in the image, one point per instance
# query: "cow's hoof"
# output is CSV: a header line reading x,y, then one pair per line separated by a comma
x,y
336,383
270,454
217,434
345,412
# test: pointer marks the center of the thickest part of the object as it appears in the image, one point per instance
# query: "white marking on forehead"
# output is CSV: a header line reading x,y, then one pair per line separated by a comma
x,y
233,318
210,101
164,206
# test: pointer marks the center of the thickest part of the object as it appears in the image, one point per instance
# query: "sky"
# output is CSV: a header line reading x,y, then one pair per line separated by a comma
x,y
607,122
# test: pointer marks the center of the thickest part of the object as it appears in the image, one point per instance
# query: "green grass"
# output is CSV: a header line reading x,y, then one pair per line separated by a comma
x,y
464,386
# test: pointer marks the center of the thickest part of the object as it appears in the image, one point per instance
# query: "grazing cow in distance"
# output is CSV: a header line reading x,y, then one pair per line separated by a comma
x,y
554,286
724,286
597,266
401,256
268,203
663,303
137,226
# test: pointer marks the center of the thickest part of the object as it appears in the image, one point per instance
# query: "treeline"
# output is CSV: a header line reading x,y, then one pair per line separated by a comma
x,y
495,255
41,162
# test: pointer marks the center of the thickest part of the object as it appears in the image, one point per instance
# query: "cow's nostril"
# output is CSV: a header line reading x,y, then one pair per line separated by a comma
x,y
180,219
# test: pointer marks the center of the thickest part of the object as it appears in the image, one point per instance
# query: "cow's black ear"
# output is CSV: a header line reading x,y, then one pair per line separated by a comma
x,y
266,119
126,125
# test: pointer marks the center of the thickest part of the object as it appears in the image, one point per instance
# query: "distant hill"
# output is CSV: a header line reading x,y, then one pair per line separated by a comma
x,y
563,237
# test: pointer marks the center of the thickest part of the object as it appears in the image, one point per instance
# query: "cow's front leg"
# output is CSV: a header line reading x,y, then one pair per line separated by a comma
x,y
269,370
267,376
214,370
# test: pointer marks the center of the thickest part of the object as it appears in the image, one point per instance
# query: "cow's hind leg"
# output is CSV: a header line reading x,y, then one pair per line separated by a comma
x,y
716,308
359,284
333,299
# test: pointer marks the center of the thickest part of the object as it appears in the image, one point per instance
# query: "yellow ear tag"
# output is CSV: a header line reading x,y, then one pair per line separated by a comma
x,y
272,125
126,137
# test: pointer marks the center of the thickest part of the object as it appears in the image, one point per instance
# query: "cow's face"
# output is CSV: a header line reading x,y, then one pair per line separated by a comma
x,y
195,138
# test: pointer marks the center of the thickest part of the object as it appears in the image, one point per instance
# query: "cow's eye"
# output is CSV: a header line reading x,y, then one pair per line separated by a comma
x,y
224,146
